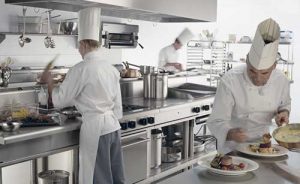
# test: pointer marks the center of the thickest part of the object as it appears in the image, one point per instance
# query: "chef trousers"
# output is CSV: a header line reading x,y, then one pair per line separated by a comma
x,y
109,167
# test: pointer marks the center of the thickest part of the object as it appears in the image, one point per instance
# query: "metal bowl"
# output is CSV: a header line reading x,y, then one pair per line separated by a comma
x,y
285,131
68,27
10,126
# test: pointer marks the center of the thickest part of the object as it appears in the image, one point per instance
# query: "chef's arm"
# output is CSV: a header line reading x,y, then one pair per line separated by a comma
x,y
69,89
282,117
219,121
118,103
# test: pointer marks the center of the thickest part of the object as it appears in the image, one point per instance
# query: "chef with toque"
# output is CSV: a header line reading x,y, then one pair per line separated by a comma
x,y
93,86
249,97
168,56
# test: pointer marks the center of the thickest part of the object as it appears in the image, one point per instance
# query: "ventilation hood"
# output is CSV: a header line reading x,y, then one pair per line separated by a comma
x,y
148,10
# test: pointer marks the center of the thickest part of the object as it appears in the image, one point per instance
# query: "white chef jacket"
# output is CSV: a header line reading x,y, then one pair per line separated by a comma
x,y
238,100
168,54
93,86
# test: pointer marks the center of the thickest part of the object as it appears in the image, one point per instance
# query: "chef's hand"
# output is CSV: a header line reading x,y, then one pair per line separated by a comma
x,y
237,135
46,77
282,117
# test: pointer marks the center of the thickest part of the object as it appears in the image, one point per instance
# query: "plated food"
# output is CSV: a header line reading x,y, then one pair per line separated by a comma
x,y
264,148
228,165
224,162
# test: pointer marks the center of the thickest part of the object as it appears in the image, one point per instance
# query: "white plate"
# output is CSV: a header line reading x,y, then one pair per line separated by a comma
x,y
249,166
280,151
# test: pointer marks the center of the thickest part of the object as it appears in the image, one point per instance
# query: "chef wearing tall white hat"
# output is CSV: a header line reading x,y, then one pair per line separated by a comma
x,y
93,86
249,97
168,56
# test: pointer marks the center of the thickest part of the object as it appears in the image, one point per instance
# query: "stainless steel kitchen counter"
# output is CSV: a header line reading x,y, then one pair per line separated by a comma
x,y
279,170
36,132
154,104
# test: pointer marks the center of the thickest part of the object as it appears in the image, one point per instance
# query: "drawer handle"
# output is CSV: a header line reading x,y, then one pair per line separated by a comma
x,y
135,143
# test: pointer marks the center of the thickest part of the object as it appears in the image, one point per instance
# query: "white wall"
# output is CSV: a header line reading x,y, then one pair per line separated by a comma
x,y
234,17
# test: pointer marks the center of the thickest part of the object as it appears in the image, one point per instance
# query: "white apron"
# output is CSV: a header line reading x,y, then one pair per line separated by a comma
x,y
89,137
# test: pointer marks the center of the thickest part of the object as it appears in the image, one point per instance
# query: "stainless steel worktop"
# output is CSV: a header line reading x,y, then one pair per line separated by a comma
x,y
279,170
153,104
73,124
36,132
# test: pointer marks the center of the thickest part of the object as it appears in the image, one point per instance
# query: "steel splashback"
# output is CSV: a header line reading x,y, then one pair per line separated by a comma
x,y
154,10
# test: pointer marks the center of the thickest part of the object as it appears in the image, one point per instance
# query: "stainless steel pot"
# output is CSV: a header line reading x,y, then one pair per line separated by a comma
x,y
68,27
53,177
161,86
289,131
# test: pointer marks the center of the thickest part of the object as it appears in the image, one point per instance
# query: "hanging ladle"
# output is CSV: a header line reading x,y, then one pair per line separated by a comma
x,y
22,38
48,41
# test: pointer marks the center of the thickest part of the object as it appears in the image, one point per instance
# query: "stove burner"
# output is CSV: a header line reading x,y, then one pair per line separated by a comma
x,y
130,108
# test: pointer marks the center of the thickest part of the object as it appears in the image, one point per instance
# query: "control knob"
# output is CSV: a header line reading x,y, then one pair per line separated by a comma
x,y
143,121
123,126
150,120
131,124
196,109
205,107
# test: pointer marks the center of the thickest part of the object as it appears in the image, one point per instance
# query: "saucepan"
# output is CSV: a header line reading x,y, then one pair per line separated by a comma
x,y
288,136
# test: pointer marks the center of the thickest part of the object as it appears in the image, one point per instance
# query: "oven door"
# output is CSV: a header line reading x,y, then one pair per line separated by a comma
x,y
135,155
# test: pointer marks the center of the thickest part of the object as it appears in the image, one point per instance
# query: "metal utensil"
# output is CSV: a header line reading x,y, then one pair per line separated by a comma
x,y
22,38
48,41
10,126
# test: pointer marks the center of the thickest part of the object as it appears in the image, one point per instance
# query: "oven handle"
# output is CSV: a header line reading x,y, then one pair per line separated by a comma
x,y
141,140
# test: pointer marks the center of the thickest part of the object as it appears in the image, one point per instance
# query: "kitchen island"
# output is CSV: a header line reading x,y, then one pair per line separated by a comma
x,y
277,170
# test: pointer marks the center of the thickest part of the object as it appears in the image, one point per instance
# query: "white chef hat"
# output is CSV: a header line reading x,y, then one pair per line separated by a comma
x,y
185,36
89,24
264,48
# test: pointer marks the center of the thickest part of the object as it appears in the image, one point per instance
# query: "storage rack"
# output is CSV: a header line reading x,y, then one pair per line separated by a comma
x,y
208,55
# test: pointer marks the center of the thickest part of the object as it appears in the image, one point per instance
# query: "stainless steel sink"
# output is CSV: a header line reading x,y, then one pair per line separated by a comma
x,y
191,91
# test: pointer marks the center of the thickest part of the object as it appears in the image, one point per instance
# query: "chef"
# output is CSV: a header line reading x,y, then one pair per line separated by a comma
x,y
93,86
249,97
168,56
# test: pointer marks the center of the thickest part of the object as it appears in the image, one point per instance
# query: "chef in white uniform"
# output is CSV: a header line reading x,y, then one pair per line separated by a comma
x,y
249,97
168,56
93,85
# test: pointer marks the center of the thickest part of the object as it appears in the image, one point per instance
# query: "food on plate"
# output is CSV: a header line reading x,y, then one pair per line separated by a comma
x,y
264,146
21,113
225,162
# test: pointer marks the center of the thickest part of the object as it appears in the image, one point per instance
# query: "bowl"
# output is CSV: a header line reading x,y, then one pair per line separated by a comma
x,y
288,136
10,126
68,27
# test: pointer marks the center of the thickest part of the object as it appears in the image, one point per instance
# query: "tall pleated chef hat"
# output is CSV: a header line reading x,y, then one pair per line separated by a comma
x,y
185,36
89,24
264,48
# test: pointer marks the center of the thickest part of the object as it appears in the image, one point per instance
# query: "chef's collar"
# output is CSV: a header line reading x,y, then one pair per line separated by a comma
x,y
92,54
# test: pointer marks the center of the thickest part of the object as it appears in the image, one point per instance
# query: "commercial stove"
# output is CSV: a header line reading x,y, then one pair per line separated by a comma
x,y
143,113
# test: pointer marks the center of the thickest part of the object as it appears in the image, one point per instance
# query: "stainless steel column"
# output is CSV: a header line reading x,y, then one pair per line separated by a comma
x,y
191,138
45,165
186,139
0,175
34,178
75,174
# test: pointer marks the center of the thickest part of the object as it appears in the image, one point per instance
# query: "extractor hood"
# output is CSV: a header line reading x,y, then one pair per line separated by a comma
x,y
148,10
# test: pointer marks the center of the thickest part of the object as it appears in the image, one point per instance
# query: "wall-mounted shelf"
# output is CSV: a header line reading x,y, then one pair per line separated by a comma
x,y
3,35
